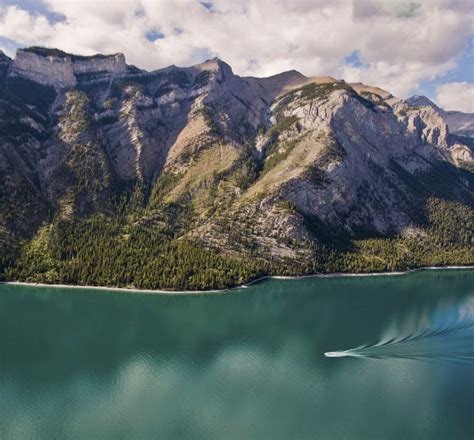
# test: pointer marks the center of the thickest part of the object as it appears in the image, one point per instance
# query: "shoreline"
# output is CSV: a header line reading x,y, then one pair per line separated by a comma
x,y
242,286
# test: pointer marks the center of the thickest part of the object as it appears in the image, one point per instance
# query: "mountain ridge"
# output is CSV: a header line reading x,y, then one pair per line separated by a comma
x,y
459,123
202,179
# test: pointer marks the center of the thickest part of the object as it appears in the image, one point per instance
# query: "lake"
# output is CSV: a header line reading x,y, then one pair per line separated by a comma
x,y
247,364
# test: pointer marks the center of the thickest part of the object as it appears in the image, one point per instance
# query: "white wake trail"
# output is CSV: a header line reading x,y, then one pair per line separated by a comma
x,y
448,334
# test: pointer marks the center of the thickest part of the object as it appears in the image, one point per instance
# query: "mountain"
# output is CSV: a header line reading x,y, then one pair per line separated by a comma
x,y
458,122
194,177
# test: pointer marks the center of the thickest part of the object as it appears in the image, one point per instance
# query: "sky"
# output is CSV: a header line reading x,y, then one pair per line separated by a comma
x,y
407,47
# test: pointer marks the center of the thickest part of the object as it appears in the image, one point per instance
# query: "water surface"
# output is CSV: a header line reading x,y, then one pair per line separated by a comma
x,y
249,364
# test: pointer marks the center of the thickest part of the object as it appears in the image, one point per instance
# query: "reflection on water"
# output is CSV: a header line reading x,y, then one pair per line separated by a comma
x,y
250,364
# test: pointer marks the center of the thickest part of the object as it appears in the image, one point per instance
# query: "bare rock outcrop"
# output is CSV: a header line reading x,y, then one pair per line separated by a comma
x,y
61,70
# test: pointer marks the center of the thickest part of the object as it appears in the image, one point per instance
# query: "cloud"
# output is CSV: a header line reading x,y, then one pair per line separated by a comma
x,y
399,44
456,96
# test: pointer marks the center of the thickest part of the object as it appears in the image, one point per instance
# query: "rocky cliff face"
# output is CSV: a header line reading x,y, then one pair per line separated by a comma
x,y
60,70
275,164
459,123
346,162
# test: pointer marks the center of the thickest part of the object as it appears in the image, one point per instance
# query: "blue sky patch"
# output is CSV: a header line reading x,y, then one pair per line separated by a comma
x,y
464,71
154,34
354,59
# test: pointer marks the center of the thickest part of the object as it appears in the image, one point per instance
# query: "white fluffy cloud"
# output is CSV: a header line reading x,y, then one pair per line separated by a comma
x,y
400,42
456,96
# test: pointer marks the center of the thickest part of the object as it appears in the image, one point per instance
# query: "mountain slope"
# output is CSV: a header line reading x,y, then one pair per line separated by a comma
x,y
197,178
459,123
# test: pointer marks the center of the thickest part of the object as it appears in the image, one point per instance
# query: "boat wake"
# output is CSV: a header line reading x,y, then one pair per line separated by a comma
x,y
449,334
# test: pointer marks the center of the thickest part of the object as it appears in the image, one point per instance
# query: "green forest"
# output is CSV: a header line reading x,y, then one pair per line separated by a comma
x,y
115,250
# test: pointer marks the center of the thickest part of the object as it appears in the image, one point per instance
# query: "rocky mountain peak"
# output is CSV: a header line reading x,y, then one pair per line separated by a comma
x,y
277,83
421,101
220,68
61,70
459,123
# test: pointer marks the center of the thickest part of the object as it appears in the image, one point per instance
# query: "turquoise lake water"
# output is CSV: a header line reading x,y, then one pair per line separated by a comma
x,y
247,364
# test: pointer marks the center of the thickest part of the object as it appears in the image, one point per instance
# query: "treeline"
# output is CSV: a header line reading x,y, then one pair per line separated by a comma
x,y
103,251
447,238
114,251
